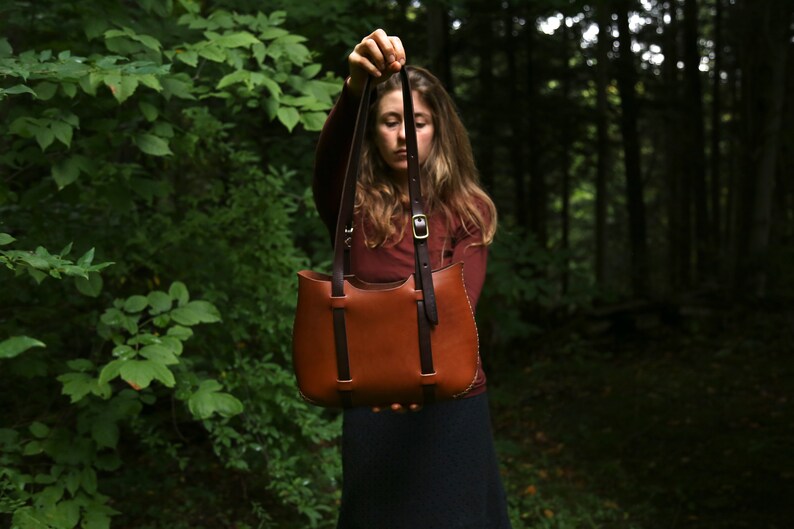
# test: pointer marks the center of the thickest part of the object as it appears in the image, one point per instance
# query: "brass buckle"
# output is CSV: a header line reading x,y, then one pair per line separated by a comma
x,y
414,220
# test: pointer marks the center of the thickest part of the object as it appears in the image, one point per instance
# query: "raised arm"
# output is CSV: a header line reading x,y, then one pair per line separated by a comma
x,y
380,56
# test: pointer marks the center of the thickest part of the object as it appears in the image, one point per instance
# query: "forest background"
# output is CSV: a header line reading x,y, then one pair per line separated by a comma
x,y
636,324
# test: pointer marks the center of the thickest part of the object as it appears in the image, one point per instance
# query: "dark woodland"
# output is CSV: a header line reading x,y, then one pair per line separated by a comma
x,y
636,324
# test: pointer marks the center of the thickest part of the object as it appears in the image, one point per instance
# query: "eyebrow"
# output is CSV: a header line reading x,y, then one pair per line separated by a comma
x,y
397,114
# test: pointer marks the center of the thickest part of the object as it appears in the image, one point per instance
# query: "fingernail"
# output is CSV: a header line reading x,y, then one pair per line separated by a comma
x,y
402,61
391,59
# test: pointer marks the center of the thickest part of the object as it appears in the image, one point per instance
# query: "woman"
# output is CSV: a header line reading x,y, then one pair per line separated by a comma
x,y
411,467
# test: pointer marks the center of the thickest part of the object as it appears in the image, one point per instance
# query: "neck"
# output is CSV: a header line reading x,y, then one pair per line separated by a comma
x,y
401,179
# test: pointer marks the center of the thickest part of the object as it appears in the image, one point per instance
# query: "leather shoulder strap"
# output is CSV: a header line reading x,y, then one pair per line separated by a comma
x,y
420,228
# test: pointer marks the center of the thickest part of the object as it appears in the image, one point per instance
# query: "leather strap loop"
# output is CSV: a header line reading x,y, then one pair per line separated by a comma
x,y
423,278
427,313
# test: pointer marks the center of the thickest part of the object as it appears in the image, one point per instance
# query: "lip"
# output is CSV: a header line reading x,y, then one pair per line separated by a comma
x,y
401,151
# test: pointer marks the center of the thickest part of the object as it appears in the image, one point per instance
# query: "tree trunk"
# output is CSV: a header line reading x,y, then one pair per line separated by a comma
x,y
716,129
602,122
538,191
486,142
763,92
516,117
626,77
438,43
565,159
678,218
696,136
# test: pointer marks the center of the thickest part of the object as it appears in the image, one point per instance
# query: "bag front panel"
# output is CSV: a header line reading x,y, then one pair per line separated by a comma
x,y
383,341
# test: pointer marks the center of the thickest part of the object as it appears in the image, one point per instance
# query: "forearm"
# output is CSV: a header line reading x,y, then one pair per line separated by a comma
x,y
331,156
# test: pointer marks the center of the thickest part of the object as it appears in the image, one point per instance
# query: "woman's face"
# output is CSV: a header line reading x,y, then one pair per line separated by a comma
x,y
390,130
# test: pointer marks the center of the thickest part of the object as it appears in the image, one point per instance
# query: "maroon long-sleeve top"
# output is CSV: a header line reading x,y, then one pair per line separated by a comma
x,y
449,241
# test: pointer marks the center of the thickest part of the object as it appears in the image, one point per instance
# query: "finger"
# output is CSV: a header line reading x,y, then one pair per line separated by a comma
x,y
385,46
364,63
369,50
399,50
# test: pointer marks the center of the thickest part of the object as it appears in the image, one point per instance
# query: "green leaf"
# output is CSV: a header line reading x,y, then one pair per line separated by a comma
x,y
180,333
94,519
6,239
148,110
111,371
86,259
163,129
208,399
66,171
130,323
105,433
240,76
17,345
142,372
151,81
178,87
76,385
80,364
236,40
113,317
259,51
45,90
44,137
178,292
44,479
289,117
32,448
151,144
19,89
75,271
5,48
162,320
149,41
271,107
159,301
90,287
39,430
72,481
310,71
69,89
313,120
88,479
124,352
188,57
63,132
135,304
160,354
173,344
212,53
272,33
196,312
37,275
27,518
66,514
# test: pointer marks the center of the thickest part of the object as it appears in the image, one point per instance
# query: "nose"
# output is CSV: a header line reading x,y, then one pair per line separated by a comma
x,y
401,133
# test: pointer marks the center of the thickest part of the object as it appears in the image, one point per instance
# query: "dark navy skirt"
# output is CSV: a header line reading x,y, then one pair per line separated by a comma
x,y
432,469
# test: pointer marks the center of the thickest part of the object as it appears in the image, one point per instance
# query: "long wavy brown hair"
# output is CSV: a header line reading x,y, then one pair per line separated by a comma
x,y
450,181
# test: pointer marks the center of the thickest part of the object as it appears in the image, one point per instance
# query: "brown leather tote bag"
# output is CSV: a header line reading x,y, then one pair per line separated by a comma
x,y
366,344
